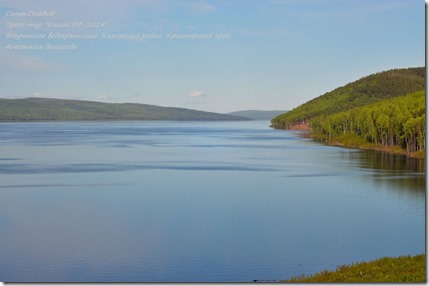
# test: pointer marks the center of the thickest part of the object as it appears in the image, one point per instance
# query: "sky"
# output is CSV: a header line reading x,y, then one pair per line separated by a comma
x,y
219,56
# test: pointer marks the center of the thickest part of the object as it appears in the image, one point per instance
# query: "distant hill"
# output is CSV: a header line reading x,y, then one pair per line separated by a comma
x,y
46,109
258,114
362,92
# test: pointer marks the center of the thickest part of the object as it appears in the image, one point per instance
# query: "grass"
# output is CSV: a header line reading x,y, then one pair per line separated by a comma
x,y
386,269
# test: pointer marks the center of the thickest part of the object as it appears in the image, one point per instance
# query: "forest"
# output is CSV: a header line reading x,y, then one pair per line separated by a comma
x,y
367,90
387,109
399,121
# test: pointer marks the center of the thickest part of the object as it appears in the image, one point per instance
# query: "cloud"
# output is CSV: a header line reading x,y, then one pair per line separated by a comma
x,y
357,6
42,95
15,61
112,15
202,8
84,8
102,97
388,6
196,93
304,2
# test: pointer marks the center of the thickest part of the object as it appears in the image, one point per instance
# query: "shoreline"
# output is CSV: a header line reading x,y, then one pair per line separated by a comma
x,y
388,269
340,141
378,148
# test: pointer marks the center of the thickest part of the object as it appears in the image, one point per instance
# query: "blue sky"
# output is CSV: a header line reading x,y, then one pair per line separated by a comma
x,y
273,54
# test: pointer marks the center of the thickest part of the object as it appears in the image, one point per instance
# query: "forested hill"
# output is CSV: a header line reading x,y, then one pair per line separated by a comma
x,y
362,92
46,109
396,122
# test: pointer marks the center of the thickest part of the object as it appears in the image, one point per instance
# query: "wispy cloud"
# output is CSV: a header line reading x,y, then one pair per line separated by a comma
x,y
82,6
196,93
389,6
102,97
202,8
332,8
14,61
42,95
82,10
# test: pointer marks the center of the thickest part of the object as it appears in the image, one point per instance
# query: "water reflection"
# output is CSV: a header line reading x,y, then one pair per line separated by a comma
x,y
398,171
391,162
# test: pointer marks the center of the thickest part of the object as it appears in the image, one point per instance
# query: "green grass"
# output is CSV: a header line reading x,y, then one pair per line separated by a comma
x,y
386,269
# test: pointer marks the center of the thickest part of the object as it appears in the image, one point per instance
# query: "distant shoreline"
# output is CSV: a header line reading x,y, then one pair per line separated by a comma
x,y
120,120
53,109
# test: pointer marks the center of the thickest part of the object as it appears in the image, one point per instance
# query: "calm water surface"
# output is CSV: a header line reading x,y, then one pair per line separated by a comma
x,y
196,202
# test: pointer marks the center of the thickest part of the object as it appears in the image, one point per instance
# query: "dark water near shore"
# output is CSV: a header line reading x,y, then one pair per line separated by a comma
x,y
196,202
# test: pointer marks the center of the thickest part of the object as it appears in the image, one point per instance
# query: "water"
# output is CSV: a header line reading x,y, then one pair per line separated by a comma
x,y
196,202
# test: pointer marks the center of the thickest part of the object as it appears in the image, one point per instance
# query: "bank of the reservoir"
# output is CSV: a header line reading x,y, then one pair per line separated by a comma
x,y
352,141
383,270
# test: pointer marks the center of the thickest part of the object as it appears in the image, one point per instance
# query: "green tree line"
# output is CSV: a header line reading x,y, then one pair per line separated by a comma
x,y
399,121
367,90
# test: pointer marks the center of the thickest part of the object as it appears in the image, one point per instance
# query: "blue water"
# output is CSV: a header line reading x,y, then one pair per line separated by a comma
x,y
196,202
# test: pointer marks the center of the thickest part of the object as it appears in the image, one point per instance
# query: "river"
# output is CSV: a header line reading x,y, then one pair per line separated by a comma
x,y
196,202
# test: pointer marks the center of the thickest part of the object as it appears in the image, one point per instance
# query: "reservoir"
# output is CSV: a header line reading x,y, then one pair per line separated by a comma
x,y
196,202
